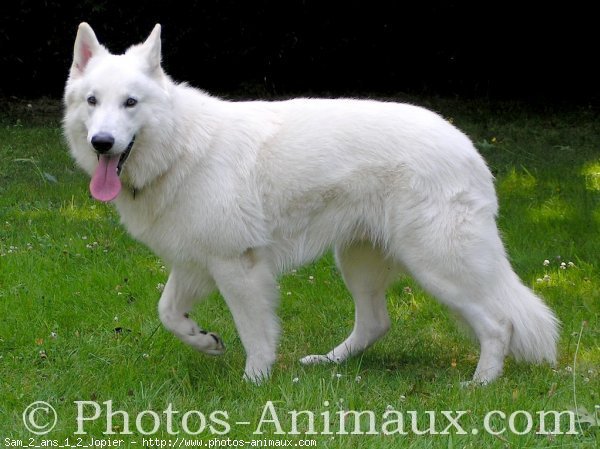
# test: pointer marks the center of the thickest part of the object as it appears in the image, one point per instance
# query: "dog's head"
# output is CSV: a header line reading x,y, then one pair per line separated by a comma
x,y
111,102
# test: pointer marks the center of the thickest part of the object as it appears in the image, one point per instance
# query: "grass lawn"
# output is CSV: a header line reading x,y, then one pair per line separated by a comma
x,y
78,318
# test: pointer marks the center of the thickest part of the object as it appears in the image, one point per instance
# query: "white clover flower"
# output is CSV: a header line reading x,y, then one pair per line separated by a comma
x,y
295,380
571,265
160,287
546,262
563,266
357,379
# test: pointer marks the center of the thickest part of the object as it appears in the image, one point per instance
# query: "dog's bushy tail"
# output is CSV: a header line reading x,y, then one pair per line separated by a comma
x,y
535,327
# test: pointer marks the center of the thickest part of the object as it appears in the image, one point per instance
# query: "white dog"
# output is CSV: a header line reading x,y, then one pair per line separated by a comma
x,y
231,194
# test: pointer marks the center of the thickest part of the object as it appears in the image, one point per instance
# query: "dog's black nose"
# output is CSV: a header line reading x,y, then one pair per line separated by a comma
x,y
102,142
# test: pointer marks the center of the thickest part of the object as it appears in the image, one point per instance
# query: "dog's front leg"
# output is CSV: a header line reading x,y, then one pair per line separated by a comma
x,y
249,288
186,286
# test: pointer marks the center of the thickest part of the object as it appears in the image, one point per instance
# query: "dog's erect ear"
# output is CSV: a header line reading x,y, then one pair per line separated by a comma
x,y
151,47
86,47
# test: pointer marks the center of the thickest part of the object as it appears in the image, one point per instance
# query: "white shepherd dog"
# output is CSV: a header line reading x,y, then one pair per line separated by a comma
x,y
231,194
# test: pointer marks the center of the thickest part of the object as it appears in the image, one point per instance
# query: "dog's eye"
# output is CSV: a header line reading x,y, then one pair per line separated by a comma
x,y
130,102
91,100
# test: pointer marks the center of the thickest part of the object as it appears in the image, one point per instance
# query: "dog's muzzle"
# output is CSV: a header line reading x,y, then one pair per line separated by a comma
x,y
103,143
125,155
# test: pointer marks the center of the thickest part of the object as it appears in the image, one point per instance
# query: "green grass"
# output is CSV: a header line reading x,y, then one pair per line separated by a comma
x,y
78,301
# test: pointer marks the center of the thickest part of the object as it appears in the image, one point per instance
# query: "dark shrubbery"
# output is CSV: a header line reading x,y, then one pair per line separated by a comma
x,y
274,47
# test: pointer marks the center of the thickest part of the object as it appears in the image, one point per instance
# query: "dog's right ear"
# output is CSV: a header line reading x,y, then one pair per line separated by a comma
x,y
86,47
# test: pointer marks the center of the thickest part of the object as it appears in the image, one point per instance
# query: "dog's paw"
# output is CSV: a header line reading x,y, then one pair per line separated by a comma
x,y
257,372
208,342
474,383
318,359
256,378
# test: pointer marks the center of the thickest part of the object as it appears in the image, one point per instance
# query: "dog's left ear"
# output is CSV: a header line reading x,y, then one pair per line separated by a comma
x,y
152,49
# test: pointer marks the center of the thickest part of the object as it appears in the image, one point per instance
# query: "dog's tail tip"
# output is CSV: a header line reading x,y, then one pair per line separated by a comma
x,y
536,328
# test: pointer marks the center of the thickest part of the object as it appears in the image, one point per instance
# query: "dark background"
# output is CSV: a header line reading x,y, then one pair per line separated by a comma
x,y
527,51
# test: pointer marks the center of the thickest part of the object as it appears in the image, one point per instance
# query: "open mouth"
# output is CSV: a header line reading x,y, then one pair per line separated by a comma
x,y
124,156
105,184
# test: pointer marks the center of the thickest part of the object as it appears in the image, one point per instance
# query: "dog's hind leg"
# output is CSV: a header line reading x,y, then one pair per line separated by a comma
x,y
465,292
459,259
367,274
184,288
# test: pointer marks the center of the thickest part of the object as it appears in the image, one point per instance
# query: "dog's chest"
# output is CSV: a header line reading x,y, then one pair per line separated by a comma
x,y
190,226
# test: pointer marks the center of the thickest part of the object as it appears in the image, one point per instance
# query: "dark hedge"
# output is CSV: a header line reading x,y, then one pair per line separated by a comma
x,y
271,47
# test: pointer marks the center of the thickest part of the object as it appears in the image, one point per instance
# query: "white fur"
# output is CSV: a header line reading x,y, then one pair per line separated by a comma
x,y
233,193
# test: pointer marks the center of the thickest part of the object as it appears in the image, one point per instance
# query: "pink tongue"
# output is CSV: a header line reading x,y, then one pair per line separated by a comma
x,y
105,184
